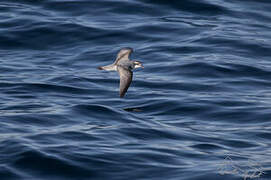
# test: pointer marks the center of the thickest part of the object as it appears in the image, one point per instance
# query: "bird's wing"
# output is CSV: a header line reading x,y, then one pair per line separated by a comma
x,y
126,77
123,54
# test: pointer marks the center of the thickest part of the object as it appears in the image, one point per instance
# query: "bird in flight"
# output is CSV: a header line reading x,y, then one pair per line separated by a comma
x,y
124,66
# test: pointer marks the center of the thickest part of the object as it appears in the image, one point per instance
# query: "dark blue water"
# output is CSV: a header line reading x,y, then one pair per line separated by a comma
x,y
199,110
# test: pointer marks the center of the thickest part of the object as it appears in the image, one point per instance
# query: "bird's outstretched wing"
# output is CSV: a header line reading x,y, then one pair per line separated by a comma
x,y
123,54
126,77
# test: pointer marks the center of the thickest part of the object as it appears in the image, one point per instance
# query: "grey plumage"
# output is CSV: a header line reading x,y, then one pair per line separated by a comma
x,y
124,66
126,77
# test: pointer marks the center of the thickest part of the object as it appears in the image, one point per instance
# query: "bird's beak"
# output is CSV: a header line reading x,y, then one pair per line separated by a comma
x,y
142,66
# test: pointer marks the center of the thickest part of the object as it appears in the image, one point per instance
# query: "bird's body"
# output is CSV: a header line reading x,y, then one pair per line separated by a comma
x,y
124,66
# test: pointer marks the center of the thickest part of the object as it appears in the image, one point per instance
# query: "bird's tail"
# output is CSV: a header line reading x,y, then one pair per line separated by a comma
x,y
110,67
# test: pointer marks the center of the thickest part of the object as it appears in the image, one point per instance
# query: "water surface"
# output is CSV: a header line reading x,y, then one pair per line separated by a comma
x,y
200,109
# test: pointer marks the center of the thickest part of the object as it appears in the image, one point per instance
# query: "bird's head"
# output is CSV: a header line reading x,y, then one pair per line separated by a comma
x,y
138,64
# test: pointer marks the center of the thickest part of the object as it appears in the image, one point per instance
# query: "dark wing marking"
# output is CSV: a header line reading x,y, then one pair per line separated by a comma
x,y
126,77
123,54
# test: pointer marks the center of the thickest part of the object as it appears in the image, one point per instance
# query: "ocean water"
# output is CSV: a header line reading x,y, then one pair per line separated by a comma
x,y
199,110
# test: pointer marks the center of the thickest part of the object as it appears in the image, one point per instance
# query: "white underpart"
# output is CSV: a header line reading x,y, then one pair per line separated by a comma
x,y
137,66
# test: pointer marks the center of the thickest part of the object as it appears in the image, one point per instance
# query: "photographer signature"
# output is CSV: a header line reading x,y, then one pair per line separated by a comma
x,y
248,170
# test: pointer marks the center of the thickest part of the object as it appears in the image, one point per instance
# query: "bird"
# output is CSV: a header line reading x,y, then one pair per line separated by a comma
x,y
124,66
